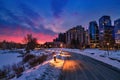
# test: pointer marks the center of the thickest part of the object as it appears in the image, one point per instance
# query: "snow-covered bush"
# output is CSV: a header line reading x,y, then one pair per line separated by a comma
x,y
28,57
18,68
37,60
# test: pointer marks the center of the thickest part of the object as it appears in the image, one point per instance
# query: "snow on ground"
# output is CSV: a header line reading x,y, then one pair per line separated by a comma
x,y
4,51
8,57
57,64
49,70
101,55
33,73
37,52
41,52
56,50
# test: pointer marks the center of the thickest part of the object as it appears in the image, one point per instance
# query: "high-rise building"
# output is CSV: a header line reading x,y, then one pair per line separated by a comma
x,y
109,36
60,41
117,31
105,29
93,34
61,38
75,37
87,42
104,21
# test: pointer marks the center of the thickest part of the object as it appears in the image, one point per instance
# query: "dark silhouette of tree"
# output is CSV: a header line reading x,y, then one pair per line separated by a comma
x,y
10,45
30,42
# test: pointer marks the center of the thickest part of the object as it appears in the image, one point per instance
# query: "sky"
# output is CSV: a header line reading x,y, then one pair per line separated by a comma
x,y
44,19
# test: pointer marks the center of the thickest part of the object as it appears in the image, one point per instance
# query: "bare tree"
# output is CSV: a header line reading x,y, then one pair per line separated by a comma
x,y
30,42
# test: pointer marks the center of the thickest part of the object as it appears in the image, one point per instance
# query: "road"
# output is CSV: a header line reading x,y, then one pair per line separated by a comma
x,y
79,67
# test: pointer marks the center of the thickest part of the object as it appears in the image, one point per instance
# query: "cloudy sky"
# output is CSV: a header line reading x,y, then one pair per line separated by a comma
x,y
46,18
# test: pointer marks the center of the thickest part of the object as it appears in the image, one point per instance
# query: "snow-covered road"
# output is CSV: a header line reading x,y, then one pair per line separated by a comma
x,y
80,67
99,55
51,70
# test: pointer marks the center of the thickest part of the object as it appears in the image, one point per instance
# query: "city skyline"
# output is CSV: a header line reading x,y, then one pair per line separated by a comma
x,y
46,18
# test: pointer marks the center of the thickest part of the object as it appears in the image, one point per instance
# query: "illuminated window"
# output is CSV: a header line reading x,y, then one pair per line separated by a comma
x,y
118,32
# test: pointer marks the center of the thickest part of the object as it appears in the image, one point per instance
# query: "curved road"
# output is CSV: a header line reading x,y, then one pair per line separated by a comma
x,y
79,67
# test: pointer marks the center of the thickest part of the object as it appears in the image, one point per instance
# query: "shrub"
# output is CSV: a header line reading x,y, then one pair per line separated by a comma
x,y
5,72
27,57
42,58
2,74
37,60
18,69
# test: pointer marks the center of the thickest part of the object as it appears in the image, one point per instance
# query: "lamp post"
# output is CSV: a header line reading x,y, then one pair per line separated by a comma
x,y
61,45
94,45
54,56
108,47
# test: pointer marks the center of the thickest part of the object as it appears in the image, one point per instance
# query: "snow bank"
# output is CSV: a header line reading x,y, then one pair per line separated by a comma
x,y
33,73
49,70
40,52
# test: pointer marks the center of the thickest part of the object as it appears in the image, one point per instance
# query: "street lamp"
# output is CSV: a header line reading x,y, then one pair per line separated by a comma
x,y
61,45
108,47
54,58
94,45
